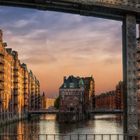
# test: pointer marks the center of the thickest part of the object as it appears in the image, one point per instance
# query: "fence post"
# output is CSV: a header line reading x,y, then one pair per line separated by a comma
x,y
118,137
102,137
109,136
46,136
78,136
54,136
93,136
86,136
70,136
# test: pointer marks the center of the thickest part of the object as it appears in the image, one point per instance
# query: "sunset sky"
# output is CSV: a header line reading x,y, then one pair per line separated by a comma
x,y
54,45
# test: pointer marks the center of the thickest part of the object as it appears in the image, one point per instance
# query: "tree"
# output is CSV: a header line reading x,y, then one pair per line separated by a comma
x,y
56,103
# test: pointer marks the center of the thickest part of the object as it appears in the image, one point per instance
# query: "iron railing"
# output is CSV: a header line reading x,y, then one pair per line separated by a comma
x,y
68,137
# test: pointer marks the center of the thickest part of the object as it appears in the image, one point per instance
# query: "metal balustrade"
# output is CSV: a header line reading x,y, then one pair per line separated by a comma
x,y
125,4
68,137
111,2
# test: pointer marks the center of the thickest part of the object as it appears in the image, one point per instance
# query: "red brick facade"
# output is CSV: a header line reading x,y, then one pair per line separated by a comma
x,y
119,96
76,94
105,100
110,100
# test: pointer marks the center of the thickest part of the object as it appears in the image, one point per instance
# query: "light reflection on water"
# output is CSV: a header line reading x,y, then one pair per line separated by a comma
x,y
48,125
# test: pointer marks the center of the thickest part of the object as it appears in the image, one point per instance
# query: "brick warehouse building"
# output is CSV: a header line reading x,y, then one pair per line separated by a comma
x,y
110,100
15,86
77,94
105,101
119,96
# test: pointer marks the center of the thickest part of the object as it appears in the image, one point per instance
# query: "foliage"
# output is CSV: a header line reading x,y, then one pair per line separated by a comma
x,y
56,103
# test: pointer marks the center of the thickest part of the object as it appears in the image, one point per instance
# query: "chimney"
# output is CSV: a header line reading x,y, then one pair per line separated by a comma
x,y
64,78
9,50
15,54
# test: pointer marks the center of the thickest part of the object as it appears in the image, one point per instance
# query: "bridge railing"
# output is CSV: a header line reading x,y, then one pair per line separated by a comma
x,y
68,137
129,3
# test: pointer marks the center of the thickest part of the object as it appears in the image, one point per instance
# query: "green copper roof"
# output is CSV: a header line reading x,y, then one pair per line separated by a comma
x,y
81,82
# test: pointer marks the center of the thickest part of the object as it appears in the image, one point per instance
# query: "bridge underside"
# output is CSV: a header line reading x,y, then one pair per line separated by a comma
x,y
81,7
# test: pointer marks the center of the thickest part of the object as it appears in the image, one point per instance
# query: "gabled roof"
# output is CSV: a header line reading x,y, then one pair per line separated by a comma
x,y
71,80
76,82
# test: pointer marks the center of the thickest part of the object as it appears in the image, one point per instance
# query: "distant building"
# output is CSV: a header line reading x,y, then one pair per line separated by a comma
x,y
34,92
47,102
119,96
105,101
76,94
89,93
50,102
111,99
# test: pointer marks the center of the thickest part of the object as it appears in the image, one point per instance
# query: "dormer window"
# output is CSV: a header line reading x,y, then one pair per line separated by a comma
x,y
71,85
65,85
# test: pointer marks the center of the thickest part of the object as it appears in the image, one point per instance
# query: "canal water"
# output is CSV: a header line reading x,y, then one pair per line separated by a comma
x,y
46,124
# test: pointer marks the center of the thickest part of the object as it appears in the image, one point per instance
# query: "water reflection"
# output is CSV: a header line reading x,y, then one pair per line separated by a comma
x,y
47,124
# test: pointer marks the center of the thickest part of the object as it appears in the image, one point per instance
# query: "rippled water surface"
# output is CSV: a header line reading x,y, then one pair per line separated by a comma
x,y
46,124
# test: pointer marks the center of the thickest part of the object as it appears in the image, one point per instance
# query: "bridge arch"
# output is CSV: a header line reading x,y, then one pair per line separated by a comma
x,y
111,9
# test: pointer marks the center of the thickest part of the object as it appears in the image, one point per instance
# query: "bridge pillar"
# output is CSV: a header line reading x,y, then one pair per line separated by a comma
x,y
129,75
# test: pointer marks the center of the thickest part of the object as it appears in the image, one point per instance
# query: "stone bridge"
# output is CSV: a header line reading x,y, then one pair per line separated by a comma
x,y
112,9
